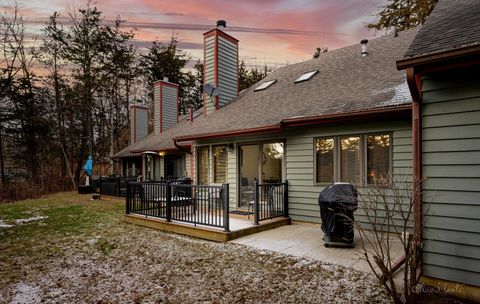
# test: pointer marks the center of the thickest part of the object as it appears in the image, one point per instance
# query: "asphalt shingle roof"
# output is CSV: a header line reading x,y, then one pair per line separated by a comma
x,y
346,83
452,24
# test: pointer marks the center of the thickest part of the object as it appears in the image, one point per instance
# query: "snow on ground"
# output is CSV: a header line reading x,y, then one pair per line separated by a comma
x,y
130,264
4,225
30,219
26,294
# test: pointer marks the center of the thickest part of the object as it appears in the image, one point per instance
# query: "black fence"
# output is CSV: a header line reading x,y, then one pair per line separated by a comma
x,y
270,201
114,185
180,201
117,185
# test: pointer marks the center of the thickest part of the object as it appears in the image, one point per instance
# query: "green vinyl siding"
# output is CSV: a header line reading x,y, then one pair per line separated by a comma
x,y
451,164
303,192
299,161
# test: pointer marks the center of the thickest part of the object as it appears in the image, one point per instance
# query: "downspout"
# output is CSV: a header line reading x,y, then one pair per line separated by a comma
x,y
415,86
181,148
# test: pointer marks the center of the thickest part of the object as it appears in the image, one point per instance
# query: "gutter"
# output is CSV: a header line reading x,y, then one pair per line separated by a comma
x,y
189,151
402,110
438,57
349,117
259,130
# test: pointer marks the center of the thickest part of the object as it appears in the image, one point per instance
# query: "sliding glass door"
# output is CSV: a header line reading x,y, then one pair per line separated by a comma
x,y
261,162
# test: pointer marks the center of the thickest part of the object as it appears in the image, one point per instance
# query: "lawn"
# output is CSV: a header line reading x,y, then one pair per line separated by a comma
x,y
67,248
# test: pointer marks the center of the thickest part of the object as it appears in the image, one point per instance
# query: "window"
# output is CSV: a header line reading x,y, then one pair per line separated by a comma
x,y
358,159
378,158
324,151
350,159
220,158
203,157
306,76
265,85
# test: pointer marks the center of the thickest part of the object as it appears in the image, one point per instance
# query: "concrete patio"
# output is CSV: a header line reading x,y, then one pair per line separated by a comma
x,y
305,240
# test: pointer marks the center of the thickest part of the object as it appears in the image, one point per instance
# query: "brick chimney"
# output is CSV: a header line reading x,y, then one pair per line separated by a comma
x,y
220,67
165,105
138,123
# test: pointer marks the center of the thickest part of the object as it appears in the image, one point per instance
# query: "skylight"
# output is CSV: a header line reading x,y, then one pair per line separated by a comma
x,y
306,76
265,85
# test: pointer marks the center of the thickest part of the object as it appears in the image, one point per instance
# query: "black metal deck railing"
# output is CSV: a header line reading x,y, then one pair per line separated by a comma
x,y
176,201
270,201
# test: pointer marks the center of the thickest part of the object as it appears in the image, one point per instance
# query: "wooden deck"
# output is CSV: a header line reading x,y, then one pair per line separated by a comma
x,y
239,227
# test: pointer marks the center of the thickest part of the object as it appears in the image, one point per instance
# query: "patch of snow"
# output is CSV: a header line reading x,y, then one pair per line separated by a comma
x,y
4,225
31,219
25,294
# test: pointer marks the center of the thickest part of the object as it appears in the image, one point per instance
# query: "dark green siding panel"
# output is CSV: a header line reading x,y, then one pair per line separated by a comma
x,y
451,158
458,237
452,197
451,145
454,184
454,249
453,223
452,171
451,274
455,132
451,261
451,164
453,210
455,119
465,105
451,94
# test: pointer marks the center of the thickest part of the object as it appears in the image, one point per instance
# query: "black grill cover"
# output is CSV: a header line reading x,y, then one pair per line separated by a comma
x,y
339,195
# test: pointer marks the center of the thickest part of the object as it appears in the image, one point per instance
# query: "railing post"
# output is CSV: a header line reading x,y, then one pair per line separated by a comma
x,y
169,202
285,199
128,199
256,217
226,202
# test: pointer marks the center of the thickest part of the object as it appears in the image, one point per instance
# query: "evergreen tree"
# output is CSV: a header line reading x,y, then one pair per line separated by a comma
x,y
399,15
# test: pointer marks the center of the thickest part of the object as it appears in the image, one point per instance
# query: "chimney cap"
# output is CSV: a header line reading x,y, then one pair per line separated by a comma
x,y
221,23
364,41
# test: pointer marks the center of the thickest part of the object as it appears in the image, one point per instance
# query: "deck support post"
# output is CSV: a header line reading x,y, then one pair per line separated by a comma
x,y
128,200
226,211
256,203
285,199
169,202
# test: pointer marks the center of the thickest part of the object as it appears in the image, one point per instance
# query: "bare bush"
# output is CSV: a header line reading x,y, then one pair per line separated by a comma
x,y
389,208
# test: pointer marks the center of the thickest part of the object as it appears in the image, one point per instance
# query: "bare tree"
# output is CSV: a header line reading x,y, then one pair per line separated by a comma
x,y
388,208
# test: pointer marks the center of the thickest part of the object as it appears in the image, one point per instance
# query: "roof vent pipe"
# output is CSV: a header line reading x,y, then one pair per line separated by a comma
x,y
165,78
221,24
364,47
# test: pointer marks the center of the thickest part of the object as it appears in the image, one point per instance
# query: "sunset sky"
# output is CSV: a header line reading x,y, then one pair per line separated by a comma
x,y
272,32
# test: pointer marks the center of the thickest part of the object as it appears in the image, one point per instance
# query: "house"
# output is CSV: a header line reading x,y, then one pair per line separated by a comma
x,y
443,71
343,117
404,106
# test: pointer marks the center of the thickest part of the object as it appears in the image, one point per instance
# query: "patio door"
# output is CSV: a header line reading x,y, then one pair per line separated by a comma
x,y
249,163
261,162
174,165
